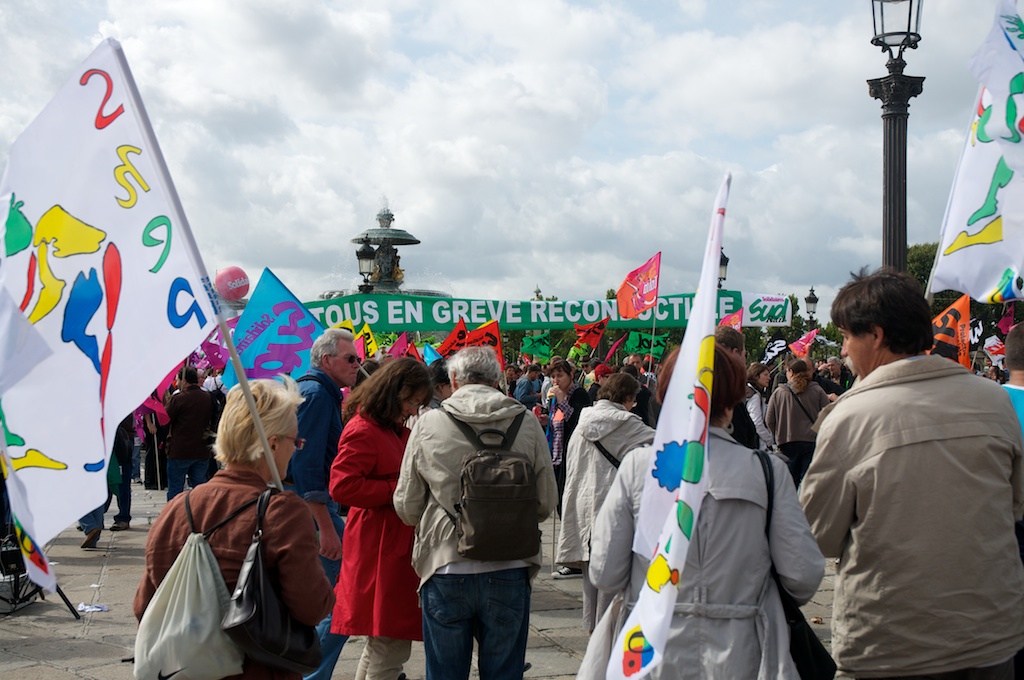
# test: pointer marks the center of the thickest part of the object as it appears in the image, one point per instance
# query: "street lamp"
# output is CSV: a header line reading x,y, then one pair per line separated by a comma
x,y
896,24
811,305
366,256
723,269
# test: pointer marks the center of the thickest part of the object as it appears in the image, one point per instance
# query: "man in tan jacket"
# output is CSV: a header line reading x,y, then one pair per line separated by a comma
x,y
915,485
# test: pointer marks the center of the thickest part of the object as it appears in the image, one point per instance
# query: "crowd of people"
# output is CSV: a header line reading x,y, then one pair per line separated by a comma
x,y
905,468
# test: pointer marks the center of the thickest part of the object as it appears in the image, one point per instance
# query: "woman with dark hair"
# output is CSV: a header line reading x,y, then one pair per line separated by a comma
x,y
605,434
376,589
566,400
441,381
728,620
792,411
758,377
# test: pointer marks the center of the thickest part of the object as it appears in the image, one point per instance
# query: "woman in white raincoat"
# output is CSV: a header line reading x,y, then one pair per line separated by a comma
x,y
608,424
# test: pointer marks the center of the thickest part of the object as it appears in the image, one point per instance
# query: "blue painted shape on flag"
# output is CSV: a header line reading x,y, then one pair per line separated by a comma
x,y
274,333
430,354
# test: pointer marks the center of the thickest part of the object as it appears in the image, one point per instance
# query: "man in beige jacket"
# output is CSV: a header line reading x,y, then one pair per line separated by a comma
x,y
915,485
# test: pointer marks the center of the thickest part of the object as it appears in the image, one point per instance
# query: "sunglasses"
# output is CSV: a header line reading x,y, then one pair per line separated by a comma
x,y
299,441
349,358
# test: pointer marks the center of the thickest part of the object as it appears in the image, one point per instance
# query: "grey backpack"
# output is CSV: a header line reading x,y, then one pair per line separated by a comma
x,y
497,511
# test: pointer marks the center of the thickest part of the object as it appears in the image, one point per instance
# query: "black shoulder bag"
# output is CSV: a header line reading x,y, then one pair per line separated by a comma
x,y
615,462
812,660
259,622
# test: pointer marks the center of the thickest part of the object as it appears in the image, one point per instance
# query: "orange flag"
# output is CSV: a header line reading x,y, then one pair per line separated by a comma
x,y
952,330
639,290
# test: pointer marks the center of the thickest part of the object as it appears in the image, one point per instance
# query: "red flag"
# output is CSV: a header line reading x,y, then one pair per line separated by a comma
x,y
487,335
734,320
639,291
615,347
803,345
591,333
455,341
952,330
413,353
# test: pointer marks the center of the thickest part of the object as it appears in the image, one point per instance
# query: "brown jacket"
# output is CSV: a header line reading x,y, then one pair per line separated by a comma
x,y
787,420
289,544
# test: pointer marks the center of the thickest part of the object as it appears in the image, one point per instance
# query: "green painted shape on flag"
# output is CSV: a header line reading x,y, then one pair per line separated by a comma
x,y
9,437
684,517
693,465
18,234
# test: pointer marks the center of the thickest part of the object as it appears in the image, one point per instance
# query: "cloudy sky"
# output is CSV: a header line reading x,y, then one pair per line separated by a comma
x,y
537,142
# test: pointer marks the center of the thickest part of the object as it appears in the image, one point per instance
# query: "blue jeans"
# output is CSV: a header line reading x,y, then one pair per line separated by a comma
x,y
92,520
493,608
177,468
330,643
124,494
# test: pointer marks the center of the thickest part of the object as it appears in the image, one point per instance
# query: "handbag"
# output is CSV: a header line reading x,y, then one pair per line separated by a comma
x,y
258,621
812,660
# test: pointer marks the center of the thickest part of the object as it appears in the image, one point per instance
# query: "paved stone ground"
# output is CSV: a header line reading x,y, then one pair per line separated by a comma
x,y
43,641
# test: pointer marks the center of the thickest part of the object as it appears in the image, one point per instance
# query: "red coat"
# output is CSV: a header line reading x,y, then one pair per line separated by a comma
x,y
376,589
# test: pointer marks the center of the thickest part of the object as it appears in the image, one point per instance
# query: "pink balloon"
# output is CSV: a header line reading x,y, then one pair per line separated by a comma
x,y
232,283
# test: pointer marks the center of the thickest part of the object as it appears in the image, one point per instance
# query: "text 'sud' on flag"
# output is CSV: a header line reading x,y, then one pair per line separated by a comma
x,y
274,334
952,331
455,341
676,478
98,258
981,249
590,334
639,290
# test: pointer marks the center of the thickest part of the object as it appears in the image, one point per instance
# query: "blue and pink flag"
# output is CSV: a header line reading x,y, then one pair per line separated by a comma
x,y
274,334
675,483
102,292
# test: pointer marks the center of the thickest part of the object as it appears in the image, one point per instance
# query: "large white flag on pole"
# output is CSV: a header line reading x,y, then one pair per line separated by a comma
x,y
981,249
99,260
676,481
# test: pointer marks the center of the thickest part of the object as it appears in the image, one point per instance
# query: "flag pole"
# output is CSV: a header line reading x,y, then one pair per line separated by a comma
x,y
185,232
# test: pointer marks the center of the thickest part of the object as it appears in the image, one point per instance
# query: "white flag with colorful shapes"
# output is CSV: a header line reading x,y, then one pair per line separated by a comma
x,y
981,250
676,481
99,259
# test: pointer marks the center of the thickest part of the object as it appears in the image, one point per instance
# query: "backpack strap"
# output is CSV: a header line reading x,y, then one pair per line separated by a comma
x,y
615,462
234,513
507,438
800,404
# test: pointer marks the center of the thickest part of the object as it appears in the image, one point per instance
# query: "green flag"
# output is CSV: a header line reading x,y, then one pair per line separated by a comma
x,y
538,346
640,343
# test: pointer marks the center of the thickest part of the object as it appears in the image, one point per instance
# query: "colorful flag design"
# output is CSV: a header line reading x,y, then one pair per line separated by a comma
x,y
675,483
100,259
952,330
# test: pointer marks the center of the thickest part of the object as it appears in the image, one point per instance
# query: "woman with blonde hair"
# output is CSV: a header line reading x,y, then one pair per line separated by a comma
x,y
376,588
792,411
290,546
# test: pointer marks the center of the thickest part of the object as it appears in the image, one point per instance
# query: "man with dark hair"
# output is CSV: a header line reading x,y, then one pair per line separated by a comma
x,y
916,482
188,453
742,427
528,387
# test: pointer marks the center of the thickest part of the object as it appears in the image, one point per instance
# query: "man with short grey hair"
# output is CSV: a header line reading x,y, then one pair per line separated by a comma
x,y
334,364
463,598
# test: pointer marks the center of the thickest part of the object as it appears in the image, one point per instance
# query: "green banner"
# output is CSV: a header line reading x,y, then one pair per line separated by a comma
x,y
414,313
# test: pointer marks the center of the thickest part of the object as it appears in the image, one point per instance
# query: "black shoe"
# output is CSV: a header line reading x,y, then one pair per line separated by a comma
x,y
567,572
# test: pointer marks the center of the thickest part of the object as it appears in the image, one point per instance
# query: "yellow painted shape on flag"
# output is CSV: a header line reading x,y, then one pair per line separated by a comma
x,y
50,290
35,458
990,233
706,362
68,234
347,325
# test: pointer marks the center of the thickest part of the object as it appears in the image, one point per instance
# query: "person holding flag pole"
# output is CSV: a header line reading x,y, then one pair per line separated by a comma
x,y
713,612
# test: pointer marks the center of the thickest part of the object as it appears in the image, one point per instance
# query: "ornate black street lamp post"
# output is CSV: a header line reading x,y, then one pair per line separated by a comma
x,y
811,305
366,255
896,24
723,269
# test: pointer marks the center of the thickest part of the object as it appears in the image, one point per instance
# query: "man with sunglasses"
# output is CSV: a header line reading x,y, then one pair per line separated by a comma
x,y
334,364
